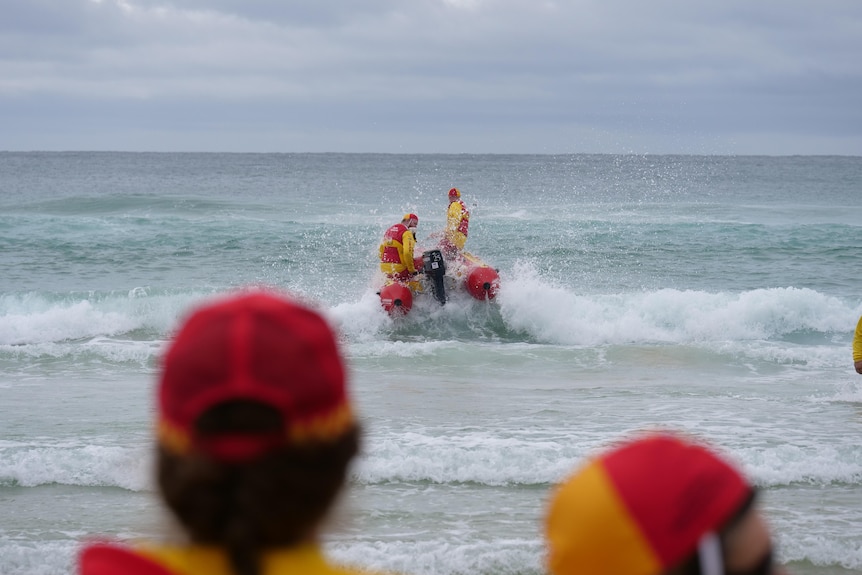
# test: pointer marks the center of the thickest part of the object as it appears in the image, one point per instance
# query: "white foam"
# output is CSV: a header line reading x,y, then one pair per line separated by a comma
x,y
360,321
455,555
76,464
38,557
469,456
35,318
820,549
537,457
756,322
789,463
849,392
557,315
62,322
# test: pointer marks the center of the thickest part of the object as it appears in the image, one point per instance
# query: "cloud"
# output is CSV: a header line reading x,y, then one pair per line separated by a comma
x,y
434,75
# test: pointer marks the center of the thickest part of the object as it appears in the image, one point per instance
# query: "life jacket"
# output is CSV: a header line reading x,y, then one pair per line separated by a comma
x,y
396,250
393,244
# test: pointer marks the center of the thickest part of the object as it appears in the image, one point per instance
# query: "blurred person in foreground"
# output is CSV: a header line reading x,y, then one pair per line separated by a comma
x,y
255,435
857,347
659,504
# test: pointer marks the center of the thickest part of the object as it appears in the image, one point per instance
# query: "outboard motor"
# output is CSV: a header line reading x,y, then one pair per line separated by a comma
x,y
435,269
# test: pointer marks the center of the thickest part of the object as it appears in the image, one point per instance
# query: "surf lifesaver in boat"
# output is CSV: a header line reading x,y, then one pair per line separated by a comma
x,y
396,298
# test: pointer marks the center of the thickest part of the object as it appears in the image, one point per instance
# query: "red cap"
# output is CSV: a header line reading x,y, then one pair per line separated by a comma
x,y
454,193
410,220
641,508
255,346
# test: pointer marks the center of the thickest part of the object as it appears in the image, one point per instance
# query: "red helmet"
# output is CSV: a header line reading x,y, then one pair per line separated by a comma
x,y
410,220
454,194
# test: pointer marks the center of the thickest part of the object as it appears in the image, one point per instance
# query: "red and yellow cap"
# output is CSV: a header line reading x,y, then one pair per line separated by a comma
x,y
640,508
454,194
255,346
410,220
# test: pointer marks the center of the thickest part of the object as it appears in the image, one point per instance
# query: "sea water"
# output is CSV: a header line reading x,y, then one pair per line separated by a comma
x,y
716,296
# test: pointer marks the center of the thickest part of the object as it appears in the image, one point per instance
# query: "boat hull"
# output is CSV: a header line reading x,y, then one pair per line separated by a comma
x,y
396,298
482,282
441,278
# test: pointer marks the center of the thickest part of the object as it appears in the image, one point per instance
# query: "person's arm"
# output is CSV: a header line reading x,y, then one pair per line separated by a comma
x,y
453,217
464,221
407,254
857,347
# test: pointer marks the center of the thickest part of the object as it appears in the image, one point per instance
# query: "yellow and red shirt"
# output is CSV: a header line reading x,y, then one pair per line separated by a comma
x,y
457,223
396,250
104,559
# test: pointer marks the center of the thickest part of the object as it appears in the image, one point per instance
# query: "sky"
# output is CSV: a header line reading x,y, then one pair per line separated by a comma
x,y
739,77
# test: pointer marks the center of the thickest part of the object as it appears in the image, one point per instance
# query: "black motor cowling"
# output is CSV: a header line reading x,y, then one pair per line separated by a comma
x,y
435,268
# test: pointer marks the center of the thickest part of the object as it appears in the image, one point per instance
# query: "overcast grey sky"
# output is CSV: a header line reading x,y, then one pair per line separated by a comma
x,y
425,76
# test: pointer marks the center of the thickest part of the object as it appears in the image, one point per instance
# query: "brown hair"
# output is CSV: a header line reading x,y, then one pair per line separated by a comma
x,y
275,500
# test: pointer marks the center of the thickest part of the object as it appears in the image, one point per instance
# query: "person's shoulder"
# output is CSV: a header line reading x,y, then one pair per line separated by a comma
x,y
110,558
309,559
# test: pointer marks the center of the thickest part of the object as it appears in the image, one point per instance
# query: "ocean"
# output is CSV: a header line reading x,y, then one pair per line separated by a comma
x,y
712,295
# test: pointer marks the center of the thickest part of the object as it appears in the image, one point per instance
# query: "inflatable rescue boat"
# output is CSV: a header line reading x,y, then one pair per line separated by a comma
x,y
440,277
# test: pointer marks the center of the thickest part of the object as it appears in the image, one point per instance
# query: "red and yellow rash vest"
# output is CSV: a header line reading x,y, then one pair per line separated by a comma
x,y
396,250
457,222
192,560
